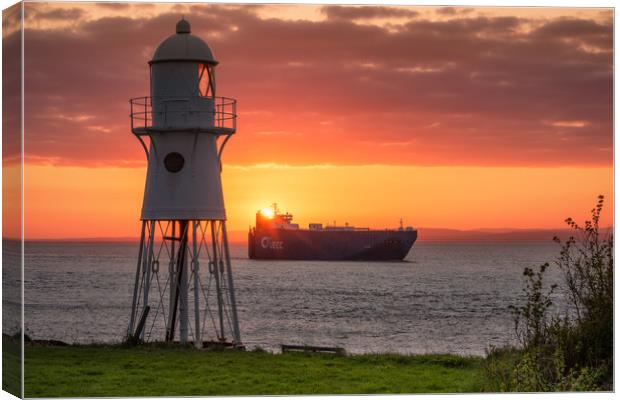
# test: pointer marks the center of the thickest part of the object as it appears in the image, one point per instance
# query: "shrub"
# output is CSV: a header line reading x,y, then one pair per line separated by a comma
x,y
587,266
573,351
531,319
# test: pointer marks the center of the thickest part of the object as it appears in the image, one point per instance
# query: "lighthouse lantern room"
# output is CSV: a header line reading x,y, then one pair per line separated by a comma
x,y
184,287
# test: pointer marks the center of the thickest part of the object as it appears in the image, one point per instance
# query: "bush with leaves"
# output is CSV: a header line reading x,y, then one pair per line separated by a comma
x,y
588,268
531,318
573,351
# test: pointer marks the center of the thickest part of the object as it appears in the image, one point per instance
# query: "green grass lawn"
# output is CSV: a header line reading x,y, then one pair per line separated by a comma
x,y
11,365
101,371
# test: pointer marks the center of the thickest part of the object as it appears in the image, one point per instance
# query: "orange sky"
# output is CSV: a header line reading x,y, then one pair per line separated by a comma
x,y
105,202
447,117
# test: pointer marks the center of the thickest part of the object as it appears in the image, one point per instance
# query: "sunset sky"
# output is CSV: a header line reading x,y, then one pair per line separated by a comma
x,y
460,118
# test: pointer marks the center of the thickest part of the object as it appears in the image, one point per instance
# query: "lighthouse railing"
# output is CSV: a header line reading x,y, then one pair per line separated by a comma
x,y
221,118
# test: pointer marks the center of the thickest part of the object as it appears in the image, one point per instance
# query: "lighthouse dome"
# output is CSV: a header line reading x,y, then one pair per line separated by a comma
x,y
183,46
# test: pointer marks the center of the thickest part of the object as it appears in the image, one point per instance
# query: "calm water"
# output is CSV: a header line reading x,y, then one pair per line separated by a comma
x,y
448,297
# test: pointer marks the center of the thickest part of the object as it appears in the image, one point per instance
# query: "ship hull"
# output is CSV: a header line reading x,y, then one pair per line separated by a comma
x,y
291,244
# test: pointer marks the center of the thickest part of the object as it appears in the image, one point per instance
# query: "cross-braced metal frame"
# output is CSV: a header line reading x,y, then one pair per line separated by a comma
x,y
184,270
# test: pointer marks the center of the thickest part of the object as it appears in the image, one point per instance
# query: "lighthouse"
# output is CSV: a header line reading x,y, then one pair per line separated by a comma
x,y
184,289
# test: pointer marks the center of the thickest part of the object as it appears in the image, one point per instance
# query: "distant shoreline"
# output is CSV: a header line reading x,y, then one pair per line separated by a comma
x,y
425,235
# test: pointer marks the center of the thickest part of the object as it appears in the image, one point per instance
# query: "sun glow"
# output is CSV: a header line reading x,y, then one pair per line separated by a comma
x,y
445,197
267,212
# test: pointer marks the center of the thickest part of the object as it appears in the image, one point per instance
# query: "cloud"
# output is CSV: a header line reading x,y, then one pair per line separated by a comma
x,y
572,27
53,14
451,11
116,6
11,85
367,12
568,124
483,83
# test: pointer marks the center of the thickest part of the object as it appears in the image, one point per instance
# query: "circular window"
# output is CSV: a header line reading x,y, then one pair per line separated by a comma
x,y
174,162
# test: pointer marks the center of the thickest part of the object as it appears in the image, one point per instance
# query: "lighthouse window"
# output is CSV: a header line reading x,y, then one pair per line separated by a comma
x,y
204,82
174,162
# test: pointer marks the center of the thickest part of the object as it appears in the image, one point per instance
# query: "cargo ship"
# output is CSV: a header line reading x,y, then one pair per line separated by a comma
x,y
276,237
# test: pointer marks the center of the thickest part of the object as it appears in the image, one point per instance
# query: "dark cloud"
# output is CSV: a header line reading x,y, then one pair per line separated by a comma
x,y
453,11
366,12
55,14
118,6
583,31
469,91
568,28
11,85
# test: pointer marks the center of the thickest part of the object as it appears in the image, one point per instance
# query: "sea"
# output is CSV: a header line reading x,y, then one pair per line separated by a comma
x,y
446,297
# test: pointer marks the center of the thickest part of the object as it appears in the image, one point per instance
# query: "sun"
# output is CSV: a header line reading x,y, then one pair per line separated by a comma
x,y
267,212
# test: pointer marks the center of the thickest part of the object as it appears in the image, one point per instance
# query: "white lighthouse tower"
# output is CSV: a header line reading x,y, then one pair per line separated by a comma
x,y
183,283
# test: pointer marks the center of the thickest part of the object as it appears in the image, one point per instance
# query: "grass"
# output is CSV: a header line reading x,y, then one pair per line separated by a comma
x,y
11,365
151,370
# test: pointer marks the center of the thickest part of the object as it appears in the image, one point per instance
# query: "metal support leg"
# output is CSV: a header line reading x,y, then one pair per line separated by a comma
x,y
183,283
197,290
136,287
148,261
218,287
180,285
175,245
173,287
231,287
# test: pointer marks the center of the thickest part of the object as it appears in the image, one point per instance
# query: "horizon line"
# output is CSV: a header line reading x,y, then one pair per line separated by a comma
x,y
485,231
